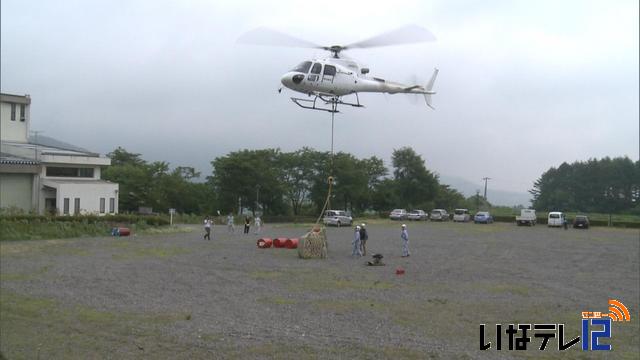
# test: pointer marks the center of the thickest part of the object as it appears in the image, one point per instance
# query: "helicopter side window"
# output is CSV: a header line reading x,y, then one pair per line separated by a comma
x,y
314,75
317,67
303,67
329,70
329,73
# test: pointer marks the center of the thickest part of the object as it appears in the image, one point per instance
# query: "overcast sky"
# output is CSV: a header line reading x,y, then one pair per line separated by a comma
x,y
523,85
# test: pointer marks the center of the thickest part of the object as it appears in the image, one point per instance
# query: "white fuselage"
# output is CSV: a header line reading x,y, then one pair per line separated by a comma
x,y
338,77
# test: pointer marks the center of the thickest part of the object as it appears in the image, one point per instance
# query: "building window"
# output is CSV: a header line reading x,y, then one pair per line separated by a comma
x,y
85,172
66,206
22,113
102,205
13,112
112,205
76,210
69,172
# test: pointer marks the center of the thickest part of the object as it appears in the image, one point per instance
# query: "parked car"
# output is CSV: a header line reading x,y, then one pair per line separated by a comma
x,y
527,217
337,218
417,215
581,221
439,215
556,218
483,217
398,214
461,215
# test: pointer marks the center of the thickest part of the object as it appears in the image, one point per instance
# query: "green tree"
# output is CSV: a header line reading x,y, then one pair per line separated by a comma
x,y
383,197
414,184
605,185
448,198
297,176
242,174
134,179
155,185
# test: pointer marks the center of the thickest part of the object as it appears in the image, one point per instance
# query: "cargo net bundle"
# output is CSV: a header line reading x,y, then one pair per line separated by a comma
x,y
313,245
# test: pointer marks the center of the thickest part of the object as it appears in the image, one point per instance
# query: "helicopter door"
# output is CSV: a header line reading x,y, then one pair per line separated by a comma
x,y
329,73
314,75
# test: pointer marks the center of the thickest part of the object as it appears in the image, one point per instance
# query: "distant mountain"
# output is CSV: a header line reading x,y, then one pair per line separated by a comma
x,y
495,196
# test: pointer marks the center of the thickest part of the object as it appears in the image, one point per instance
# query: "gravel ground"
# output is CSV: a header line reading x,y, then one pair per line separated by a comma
x,y
175,295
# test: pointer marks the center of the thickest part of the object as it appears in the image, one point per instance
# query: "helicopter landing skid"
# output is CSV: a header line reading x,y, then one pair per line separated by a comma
x,y
333,101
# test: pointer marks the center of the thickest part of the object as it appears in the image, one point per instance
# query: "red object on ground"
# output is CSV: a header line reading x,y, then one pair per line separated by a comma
x,y
291,243
124,231
399,271
280,242
265,243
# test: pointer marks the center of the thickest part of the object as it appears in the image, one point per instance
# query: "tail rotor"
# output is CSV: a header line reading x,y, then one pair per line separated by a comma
x,y
429,89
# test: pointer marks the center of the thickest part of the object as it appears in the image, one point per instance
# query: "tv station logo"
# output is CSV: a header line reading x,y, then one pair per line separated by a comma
x,y
596,329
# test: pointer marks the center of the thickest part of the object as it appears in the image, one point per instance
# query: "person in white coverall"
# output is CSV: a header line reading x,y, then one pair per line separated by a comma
x,y
405,241
258,224
356,243
230,227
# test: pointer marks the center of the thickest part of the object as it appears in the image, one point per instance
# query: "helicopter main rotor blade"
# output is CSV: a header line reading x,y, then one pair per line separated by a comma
x,y
405,35
269,37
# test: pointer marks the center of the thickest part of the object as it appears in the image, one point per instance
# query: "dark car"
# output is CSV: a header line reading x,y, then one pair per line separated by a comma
x,y
581,222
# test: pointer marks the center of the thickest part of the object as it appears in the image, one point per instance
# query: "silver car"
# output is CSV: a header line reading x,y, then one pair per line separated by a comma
x,y
439,215
417,215
398,214
336,218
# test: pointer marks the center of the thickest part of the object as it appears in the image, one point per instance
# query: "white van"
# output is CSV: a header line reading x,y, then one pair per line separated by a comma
x,y
556,218
461,215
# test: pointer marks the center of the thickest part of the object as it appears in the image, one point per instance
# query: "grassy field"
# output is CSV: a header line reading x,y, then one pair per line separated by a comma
x,y
172,295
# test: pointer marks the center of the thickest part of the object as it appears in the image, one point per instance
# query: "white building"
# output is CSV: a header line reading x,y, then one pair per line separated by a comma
x,y
41,174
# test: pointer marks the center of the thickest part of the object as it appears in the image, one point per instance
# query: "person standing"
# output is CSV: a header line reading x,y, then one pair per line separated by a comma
x,y
405,241
356,243
230,227
207,228
257,224
363,239
247,224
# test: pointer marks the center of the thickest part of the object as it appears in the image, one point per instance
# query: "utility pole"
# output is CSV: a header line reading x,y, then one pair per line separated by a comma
x,y
37,184
485,186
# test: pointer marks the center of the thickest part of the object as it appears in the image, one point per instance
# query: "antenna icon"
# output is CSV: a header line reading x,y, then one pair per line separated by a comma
x,y
617,311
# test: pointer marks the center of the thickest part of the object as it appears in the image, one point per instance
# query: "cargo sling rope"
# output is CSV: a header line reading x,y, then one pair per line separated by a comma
x,y
327,203
314,243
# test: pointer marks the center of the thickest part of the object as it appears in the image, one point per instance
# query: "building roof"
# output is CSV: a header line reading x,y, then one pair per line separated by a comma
x,y
16,160
76,181
17,99
48,142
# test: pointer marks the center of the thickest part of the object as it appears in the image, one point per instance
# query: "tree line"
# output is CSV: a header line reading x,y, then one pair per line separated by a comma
x,y
282,183
296,183
606,186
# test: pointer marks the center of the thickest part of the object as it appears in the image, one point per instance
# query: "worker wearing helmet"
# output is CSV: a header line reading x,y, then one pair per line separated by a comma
x,y
356,243
363,239
405,241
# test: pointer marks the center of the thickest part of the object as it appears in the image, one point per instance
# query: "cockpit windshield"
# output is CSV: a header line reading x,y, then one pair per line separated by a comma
x,y
303,67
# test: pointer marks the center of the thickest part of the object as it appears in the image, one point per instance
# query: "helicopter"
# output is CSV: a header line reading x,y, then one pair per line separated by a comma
x,y
328,80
